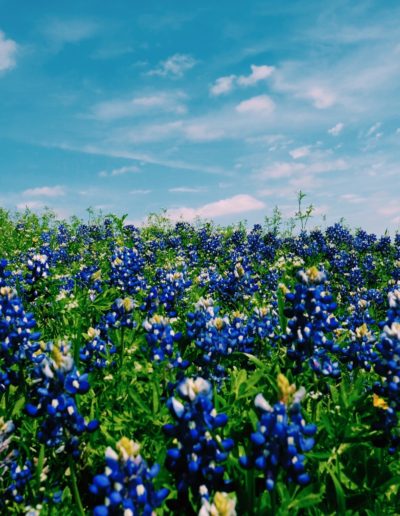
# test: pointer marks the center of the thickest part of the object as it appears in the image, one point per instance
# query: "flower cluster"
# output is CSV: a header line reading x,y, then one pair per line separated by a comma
x,y
52,398
387,365
126,270
126,486
199,451
310,321
281,438
161,339
98,349
18,341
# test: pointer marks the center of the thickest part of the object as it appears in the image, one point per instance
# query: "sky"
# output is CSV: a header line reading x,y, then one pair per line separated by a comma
x,y
219,110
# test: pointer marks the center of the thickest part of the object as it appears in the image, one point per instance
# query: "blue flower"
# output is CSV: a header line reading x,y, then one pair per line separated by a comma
x,y
281,438
126,486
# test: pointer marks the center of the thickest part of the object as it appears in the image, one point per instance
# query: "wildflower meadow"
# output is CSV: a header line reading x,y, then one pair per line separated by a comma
x,y
193,369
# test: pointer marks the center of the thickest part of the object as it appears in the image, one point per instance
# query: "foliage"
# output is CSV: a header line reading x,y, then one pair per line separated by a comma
x,y
191,367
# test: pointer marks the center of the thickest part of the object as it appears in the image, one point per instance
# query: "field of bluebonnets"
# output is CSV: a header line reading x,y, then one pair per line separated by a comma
x,y
197,369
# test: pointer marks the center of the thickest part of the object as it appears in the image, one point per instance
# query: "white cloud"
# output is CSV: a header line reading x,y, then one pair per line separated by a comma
x,y
353,198
288,169
227,83
233,205
175,164
336,129
8,51
321,97
259,105
300,152
174,66
373,128
281,169
69,31
202,133
186,189
139,192
391,209
30,205
119,171
115,109
223,85
45,191
258,73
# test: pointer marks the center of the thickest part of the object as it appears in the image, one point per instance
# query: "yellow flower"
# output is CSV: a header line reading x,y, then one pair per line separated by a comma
x,y
128,304
362,331
219,323
224,505
96,275
127,448
283,288
286,390
379,402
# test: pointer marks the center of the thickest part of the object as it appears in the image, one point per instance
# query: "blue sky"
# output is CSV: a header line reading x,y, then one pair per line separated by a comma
x,y
220,110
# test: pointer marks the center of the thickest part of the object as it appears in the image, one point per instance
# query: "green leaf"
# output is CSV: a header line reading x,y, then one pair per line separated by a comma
x,y
306,501
340,496
18,407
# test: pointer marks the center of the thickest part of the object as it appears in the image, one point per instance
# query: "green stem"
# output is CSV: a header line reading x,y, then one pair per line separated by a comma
x,y
75,489
121,360
39,466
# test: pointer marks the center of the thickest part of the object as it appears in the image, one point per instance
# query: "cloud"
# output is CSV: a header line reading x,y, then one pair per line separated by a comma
x,y
30,205
336,129
8,52
69,31
223,85
174,66
258,73
288,169
373,128
227,83
202,133
45,191
233,205
353,198
321,97
259,105
186,189
281,169
113,152
139,192
119,171
300,152
116,109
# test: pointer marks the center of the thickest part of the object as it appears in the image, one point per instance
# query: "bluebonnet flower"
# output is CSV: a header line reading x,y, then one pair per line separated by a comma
x,y
18,340
89,277
13,476
171,286
281,438
237,284
38,268
97,351
126,486
20,477
359,349
127,270
310,323
161,339
387,365
338,235
199,450
121,314
56,382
